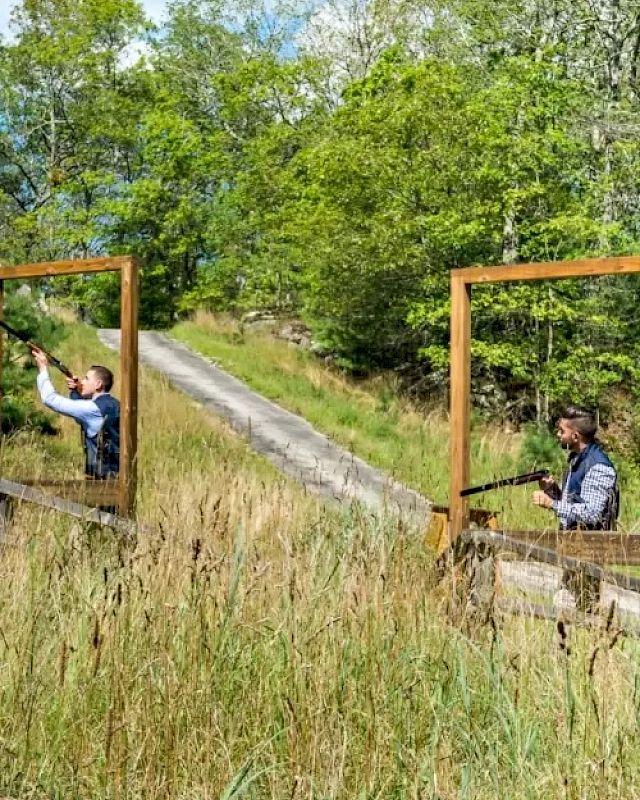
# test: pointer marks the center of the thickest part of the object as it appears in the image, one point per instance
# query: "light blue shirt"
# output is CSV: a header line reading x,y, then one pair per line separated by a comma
x,y
86,412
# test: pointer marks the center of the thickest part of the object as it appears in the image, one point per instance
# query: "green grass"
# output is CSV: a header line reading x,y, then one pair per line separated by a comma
x,y
372,421
259,645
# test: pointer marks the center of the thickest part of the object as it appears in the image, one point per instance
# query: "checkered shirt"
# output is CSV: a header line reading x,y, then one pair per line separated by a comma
x,y
597,488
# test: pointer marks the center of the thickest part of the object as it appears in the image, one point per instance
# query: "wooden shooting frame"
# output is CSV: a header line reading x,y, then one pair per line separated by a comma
x,y
460,376
120,492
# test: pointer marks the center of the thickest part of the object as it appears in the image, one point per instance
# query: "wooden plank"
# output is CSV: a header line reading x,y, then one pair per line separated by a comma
x,y
129,386
598,547
534,552
73,267
551,270
459,403
89,492
31,494
527,551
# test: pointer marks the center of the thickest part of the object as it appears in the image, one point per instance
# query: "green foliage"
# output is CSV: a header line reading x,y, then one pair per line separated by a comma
x,y
247,169
539,449
20,408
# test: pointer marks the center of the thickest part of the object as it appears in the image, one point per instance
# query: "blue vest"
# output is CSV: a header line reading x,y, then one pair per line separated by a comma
x,y
102,452
579,465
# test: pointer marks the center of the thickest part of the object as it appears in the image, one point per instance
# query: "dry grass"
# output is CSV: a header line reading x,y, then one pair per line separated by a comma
x,y
261,646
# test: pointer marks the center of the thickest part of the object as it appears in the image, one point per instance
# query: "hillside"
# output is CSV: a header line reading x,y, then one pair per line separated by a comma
x,y
375,422
262,646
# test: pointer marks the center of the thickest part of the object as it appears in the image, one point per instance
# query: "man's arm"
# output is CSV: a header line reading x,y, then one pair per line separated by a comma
x,y
86,412
597,486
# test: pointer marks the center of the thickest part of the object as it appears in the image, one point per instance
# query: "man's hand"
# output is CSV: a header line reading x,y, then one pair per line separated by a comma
x,y
550,486
41,360
74,384
542,499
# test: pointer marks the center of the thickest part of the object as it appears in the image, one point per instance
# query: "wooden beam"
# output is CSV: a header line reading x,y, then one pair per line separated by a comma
x,y
89,492
598,547
550,270
500,544
459,403
52,269
30,494
129,386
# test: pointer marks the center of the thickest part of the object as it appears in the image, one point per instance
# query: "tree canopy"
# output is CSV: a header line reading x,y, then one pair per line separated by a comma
x,y
336,162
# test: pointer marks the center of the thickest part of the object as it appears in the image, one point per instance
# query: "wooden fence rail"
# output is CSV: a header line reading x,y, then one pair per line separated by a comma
x,y
515,570
30,494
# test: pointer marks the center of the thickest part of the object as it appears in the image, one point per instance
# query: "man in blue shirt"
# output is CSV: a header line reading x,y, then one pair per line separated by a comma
x,y
94,409
589,495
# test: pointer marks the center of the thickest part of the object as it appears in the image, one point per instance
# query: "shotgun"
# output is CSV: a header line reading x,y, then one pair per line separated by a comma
x,y
517,480
34,346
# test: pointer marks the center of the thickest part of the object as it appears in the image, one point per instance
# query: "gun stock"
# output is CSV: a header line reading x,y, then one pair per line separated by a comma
x,y
516,480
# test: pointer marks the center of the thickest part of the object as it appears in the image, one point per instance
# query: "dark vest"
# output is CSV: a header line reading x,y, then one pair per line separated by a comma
x,y
579,465
102,452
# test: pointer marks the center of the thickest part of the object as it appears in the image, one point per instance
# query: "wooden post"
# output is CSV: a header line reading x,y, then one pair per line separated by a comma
x,y
459,402
128,386
2,334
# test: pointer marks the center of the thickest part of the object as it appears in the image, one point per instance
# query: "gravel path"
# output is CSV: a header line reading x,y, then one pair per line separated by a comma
x,y
287,440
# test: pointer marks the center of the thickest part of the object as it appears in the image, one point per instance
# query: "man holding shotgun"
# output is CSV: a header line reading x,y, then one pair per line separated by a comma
x,y
93,408
589,496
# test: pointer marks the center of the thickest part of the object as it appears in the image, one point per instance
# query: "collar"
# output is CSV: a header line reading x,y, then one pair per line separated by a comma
x,y
575,459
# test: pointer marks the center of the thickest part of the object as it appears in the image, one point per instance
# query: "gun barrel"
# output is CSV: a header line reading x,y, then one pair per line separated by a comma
x,y
516,480
34,346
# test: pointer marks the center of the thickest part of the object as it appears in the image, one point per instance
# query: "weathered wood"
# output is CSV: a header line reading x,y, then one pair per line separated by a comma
x,y
88,492
598,547
129,386
30,494
501,544
551,270
437,534
480,571
459,401
55,268
495,566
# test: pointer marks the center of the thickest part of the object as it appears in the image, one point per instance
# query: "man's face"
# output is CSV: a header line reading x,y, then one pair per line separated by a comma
x,y
91,384
567,436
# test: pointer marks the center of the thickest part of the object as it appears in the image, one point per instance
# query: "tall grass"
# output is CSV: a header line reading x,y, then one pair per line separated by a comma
x,y
261,646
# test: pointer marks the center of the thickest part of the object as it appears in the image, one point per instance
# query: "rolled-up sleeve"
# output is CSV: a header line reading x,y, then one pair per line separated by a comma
x,y
597,488
86,412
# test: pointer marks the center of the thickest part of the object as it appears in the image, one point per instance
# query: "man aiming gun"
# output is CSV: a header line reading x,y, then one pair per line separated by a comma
x,y
93,408
589,496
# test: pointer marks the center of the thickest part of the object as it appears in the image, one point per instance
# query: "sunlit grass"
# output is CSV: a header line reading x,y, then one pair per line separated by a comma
x,y
260,645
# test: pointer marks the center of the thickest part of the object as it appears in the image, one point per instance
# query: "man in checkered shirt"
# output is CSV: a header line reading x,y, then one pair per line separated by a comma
x,y
589,496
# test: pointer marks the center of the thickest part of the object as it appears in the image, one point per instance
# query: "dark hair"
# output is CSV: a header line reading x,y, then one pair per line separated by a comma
x,y
105,375
583,420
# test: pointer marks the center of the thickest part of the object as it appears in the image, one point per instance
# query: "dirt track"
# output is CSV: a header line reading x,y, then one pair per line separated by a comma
x,y
287,440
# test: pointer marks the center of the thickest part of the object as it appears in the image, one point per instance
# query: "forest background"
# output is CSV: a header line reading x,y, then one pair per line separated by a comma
x,y
334,162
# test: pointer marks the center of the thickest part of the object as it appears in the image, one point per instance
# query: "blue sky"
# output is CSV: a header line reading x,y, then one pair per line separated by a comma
x,y
154,9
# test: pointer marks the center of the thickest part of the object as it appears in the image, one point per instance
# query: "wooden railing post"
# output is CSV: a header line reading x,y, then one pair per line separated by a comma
x,y
128,386
459,403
